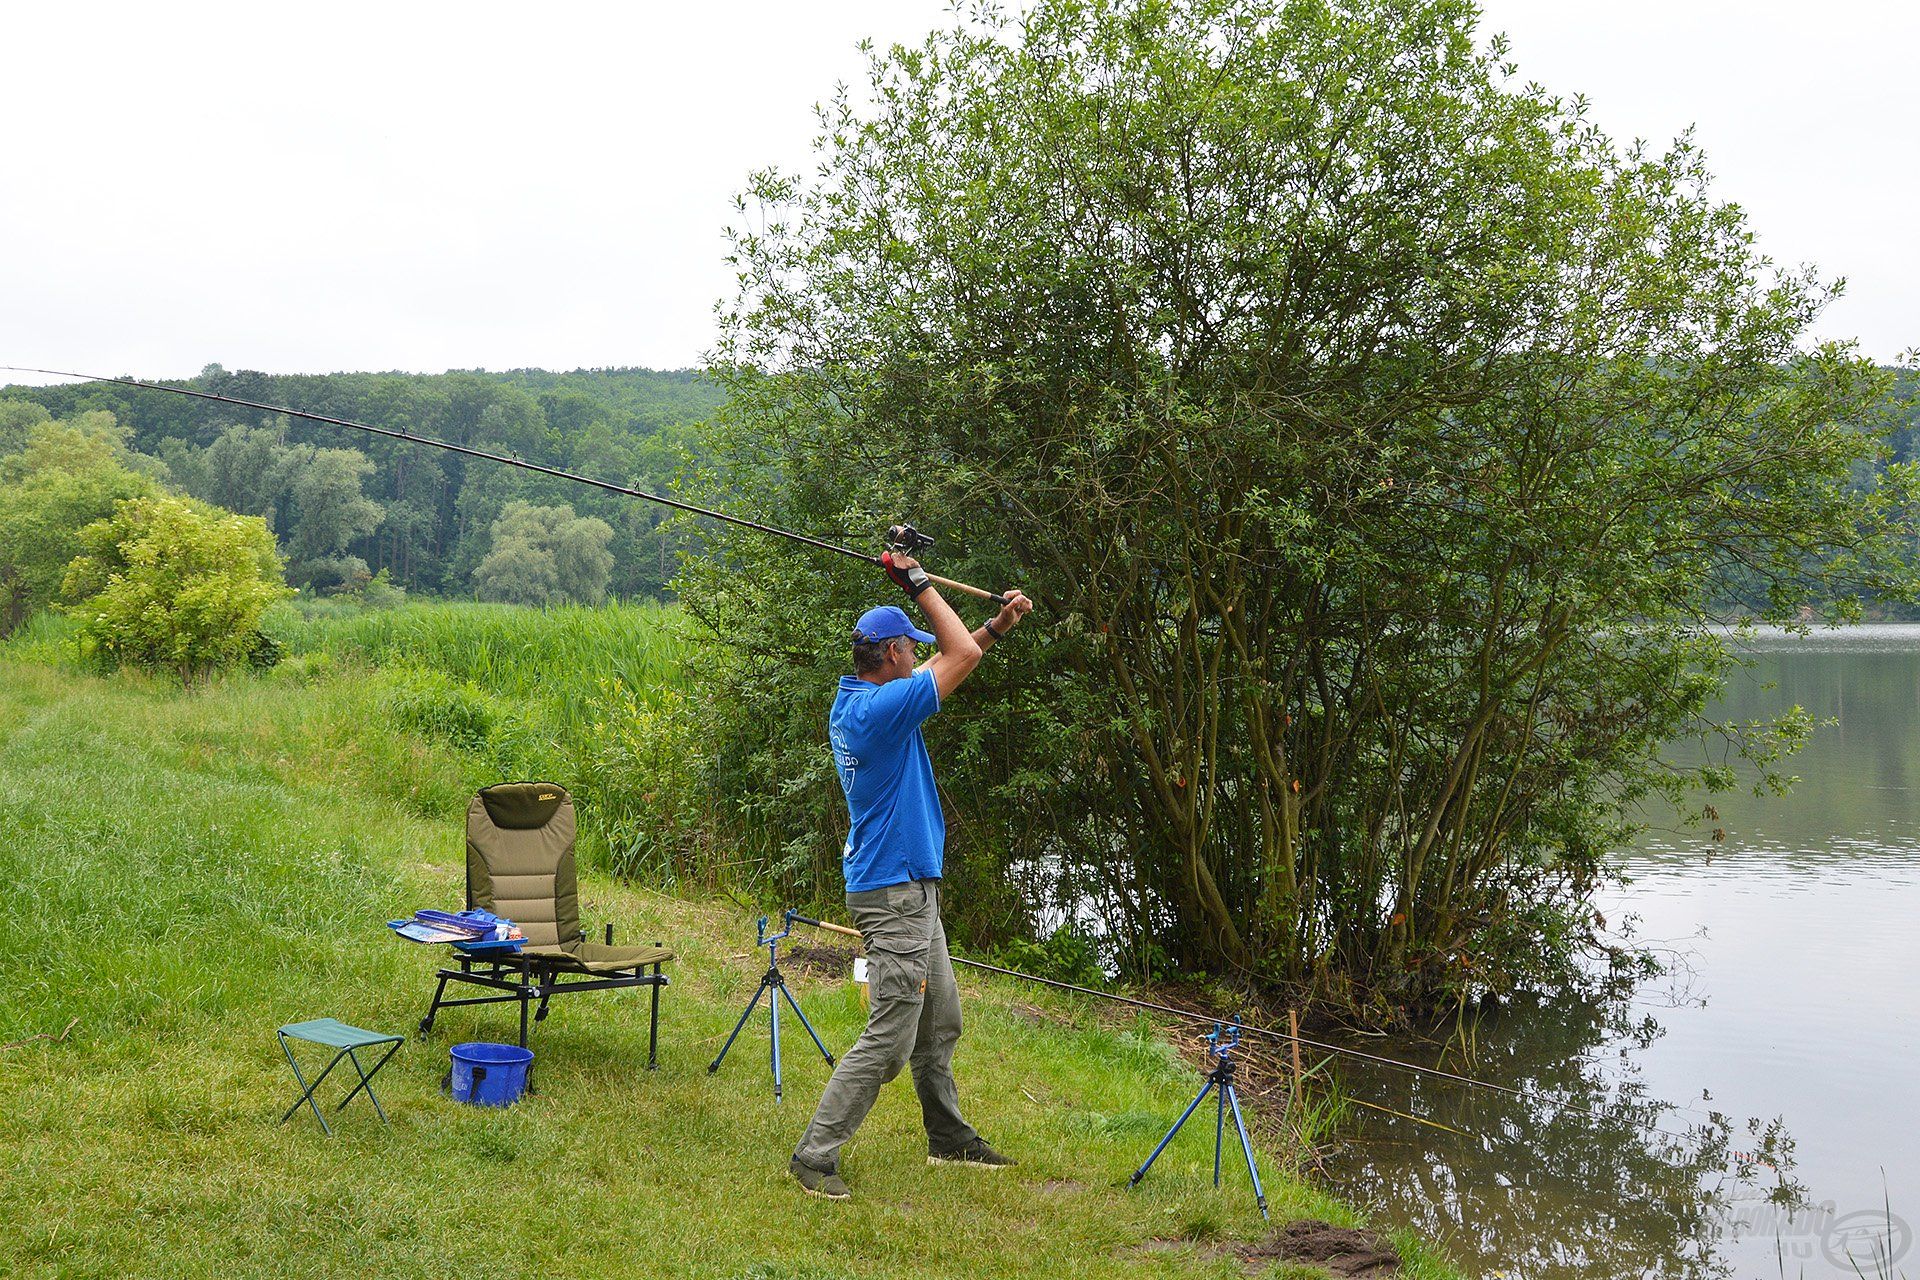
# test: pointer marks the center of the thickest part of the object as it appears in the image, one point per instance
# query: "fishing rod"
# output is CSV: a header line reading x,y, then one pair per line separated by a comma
x,y
901,539
1274,1033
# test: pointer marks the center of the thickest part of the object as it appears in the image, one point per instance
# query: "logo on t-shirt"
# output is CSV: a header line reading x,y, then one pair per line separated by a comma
x,y
843,759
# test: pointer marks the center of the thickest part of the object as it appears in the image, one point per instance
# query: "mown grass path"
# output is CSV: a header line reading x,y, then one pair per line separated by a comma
x,y
185,873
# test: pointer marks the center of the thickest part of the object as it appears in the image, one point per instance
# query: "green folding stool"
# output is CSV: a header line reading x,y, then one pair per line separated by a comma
x,y
346,1041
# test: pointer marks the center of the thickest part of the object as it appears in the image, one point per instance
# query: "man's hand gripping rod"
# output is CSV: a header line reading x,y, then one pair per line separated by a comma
x,y
907,540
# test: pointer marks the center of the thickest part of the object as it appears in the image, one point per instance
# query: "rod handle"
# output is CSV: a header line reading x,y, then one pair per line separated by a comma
x,y
830,928
982,592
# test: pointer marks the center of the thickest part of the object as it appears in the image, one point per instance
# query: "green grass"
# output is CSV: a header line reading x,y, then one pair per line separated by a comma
x,y
554,660
183,873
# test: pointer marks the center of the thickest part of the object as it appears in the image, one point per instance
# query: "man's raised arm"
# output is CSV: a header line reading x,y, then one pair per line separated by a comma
x,y
959,650
958,654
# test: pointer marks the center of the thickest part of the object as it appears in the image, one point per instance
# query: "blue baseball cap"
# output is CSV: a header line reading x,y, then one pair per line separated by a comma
x,y
886,622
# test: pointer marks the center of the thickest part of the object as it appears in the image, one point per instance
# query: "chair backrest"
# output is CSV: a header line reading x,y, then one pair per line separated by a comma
x,y
520,860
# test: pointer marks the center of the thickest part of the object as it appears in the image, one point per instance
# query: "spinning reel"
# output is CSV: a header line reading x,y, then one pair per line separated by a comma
x,y
907,540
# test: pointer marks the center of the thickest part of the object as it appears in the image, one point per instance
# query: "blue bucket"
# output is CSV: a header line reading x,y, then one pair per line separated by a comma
x,y
490,1075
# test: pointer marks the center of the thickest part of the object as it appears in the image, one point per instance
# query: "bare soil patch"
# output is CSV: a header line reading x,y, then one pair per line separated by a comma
x,y
1342,1251
819,960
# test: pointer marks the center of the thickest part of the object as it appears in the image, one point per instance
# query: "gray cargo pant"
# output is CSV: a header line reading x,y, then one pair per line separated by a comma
x,y
915,1019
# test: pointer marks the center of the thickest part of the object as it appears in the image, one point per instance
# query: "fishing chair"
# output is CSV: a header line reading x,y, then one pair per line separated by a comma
x,y
520,866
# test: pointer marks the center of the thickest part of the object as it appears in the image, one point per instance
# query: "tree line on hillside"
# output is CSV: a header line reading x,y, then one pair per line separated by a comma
x,y
348,508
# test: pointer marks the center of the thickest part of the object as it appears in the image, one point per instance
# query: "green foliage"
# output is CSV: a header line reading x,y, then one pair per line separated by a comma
x,y
64,476
305,669
431,514
592,698
328,513
17,418
47,637
374,592
172,584
245,470
553,661
546,555
312,493
1062,955
440,708
1375,434
645,783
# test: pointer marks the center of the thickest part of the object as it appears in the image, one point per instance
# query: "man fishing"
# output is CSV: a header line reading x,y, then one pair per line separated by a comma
x,y
892,862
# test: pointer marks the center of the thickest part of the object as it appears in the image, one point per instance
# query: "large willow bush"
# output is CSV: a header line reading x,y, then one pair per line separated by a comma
x,y
1375,433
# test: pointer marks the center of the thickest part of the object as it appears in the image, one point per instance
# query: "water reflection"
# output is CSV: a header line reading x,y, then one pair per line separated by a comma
x,y
1590,1175
1793,998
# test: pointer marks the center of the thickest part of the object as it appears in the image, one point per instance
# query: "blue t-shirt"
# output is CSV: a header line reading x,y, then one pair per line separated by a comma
x,y
898,832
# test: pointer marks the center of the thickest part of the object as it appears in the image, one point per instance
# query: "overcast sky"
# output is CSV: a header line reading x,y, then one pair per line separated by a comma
x,y
423,187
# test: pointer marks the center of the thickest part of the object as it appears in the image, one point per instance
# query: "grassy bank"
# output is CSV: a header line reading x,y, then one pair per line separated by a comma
x,y
185,873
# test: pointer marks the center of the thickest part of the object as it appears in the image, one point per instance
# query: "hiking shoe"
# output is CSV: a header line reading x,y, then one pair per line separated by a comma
x,y
976,1154
819,1182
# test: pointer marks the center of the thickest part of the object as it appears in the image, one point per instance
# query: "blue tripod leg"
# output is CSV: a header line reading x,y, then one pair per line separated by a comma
x,y
1246,1146
808,1025
1220,1127
773,1007
1141,1172
715,1064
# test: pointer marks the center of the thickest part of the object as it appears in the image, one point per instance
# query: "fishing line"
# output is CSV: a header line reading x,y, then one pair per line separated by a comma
x,y
1288,1037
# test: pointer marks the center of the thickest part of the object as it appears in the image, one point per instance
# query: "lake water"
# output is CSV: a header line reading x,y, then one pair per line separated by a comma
x,y
1774,1067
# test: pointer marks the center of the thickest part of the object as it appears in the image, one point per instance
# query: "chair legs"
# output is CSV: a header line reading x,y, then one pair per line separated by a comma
x,y
532,988
653,1024
426,1023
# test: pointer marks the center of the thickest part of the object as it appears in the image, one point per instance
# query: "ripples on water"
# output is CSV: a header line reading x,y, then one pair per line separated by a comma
x,y
1776,1061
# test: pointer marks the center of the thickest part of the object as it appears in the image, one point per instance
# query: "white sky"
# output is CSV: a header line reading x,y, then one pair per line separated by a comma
x,y
412,186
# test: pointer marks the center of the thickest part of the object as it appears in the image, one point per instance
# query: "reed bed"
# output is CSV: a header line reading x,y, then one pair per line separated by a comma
x,y
558,660
593,698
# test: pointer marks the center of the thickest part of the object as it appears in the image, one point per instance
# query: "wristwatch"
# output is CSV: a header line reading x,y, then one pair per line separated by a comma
x,y
993,631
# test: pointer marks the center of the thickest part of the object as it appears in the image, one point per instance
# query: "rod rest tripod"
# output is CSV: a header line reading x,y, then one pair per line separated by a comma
x,y
773,985
1220,1080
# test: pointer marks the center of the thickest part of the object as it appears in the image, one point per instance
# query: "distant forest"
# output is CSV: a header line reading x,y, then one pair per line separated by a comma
x,y
347,505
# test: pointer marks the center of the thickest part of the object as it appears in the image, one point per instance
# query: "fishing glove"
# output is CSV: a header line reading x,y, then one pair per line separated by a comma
x,y
912,581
